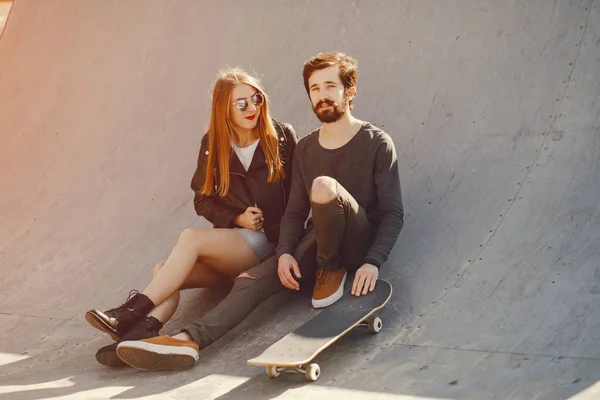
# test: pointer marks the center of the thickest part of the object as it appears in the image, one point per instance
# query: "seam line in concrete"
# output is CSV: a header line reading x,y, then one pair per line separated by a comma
x,y
35,316
560,357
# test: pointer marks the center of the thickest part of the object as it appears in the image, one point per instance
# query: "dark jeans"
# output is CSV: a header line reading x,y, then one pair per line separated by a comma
x,y
341,236
247,293
344,233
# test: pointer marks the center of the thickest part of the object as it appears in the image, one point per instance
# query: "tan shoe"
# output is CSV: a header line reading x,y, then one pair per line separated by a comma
x,y
147,328
159,353
329,287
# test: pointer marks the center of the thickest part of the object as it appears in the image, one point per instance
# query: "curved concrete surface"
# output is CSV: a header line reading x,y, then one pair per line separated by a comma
x,y
494,108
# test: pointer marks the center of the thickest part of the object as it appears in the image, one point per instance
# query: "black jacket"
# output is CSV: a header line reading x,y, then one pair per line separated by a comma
x,y
248,189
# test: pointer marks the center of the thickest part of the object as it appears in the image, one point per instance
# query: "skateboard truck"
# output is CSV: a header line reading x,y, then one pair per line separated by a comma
x,y
373,325
311,371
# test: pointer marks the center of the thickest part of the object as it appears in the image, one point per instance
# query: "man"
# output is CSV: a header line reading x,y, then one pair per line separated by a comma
x,y
346,172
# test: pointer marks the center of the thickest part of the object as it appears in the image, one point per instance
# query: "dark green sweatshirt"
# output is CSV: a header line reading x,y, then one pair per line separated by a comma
x,y
367,167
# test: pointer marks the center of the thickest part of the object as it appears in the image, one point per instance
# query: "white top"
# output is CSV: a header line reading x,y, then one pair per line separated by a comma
x,y
245,154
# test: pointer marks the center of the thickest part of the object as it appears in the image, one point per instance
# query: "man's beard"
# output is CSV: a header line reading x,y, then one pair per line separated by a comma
x,y
332,114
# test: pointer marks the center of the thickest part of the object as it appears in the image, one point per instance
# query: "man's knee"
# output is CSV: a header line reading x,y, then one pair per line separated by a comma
x,y
323,190
157,268
254,285
244,281
261,279
247,276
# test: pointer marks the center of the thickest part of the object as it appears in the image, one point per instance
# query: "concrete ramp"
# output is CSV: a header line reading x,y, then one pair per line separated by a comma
x,y
494,109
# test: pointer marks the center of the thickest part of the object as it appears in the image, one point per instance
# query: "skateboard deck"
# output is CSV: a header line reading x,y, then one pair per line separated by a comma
x,y
294,351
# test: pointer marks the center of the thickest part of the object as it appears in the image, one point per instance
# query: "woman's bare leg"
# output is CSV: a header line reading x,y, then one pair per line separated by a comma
x,y
165,310
201,258
201,276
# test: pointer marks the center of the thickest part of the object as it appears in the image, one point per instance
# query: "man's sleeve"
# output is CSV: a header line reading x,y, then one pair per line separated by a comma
x,y
391,211
296,212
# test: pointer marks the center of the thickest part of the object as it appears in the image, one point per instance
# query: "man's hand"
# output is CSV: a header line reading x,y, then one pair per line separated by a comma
x,y
365,279
286,264
252,218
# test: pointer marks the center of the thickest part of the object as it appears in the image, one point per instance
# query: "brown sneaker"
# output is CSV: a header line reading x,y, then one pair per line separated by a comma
x,y
329,287
146,328
159,353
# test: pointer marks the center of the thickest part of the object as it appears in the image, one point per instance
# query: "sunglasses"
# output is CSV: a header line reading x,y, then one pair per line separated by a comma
x,y
257,100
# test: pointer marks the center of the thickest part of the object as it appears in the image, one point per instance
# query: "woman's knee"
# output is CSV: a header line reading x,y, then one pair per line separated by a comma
x,y
190,237
323,189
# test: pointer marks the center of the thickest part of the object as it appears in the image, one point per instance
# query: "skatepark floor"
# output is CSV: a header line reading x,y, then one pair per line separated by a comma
x,y
494,110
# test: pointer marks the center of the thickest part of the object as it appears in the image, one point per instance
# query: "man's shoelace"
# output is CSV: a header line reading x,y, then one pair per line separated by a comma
x,y
323,277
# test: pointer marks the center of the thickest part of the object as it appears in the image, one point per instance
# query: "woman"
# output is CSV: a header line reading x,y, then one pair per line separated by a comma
x,y
241,185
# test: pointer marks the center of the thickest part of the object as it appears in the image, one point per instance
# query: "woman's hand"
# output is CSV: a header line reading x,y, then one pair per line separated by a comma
x,y
252,218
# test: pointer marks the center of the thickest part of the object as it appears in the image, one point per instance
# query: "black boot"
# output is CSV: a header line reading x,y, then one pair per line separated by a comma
x,y
144,329
118,321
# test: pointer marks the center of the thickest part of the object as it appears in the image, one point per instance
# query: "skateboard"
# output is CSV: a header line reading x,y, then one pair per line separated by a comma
x,y
295,352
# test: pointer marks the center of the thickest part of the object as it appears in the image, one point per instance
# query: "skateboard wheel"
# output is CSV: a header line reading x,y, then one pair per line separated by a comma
x,y
375,325
272,371
313,371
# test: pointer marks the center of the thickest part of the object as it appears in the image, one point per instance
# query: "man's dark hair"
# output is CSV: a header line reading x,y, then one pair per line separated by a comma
x,y
347,66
